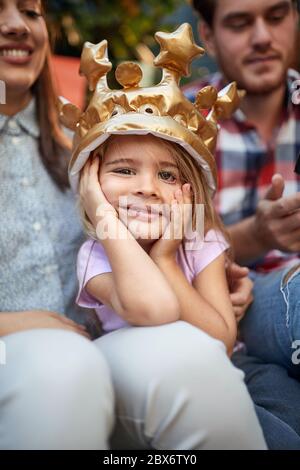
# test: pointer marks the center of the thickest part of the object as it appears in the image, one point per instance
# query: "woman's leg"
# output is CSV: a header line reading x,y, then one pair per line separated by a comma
x,y
55,392
271,327
176,389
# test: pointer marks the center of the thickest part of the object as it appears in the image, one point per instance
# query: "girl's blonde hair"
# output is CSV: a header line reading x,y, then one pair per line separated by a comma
x,y
189,173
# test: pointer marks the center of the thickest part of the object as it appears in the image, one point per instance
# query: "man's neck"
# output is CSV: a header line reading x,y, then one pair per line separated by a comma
x,y
14,104
264,111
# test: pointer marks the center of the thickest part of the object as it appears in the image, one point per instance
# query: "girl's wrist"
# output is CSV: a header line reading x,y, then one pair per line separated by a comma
x,y
107,226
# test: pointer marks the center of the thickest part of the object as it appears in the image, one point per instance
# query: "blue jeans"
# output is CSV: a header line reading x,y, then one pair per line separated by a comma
x,y
276,398
271,327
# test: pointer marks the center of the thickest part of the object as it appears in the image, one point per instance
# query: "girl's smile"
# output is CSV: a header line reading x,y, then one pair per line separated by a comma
x,y
139,178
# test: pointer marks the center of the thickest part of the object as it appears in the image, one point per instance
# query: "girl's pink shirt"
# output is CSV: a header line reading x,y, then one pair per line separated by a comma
x,y
92,261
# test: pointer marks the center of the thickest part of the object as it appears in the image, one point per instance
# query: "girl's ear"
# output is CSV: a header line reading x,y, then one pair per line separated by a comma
x,y
207,36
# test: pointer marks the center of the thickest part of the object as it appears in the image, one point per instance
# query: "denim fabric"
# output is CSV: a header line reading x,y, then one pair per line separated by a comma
x,y
271,327
276,397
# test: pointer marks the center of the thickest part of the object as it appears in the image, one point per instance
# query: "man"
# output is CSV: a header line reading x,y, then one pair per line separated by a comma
x,y
253,42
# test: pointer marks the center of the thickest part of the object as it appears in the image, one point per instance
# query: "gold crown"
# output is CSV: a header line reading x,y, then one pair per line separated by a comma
x,y
161,110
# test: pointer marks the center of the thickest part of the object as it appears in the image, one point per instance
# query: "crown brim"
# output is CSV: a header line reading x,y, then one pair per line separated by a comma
x,y
163,127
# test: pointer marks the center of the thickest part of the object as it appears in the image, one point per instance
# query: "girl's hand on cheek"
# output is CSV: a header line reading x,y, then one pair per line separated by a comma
x,y
94,201
180,218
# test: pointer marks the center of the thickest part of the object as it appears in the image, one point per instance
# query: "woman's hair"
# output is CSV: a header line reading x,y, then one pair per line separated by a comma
x,y
189,173
54,145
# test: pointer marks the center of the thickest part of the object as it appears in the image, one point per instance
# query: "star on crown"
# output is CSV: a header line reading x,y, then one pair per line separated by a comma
x,y
178,50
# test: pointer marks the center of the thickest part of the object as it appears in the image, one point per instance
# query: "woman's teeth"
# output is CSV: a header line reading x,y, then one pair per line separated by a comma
x,y
14,53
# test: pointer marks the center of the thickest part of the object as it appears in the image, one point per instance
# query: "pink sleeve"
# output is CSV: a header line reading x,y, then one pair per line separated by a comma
x,y
213,246
91,261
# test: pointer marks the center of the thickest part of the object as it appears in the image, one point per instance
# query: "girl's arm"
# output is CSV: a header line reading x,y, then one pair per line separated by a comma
x,y
136,289
205,304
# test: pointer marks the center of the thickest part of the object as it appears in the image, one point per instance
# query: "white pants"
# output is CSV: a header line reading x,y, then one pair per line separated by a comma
x,y
174,388
55,392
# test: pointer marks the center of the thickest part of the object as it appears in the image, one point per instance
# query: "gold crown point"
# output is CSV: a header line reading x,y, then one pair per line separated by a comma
x,y
178,49
206,98
94,62
227,102
129,74
69,114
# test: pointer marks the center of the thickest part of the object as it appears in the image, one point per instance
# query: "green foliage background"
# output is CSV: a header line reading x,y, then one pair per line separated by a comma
x,y
124,23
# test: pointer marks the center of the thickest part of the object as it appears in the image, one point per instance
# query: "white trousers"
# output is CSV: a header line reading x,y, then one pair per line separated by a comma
x,y
165,387
55,392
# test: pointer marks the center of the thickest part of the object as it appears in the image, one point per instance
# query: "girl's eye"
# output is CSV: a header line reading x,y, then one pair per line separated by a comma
x,y
123,171
167,176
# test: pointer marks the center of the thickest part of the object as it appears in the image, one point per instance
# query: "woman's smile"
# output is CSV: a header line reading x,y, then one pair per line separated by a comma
x,y
16,53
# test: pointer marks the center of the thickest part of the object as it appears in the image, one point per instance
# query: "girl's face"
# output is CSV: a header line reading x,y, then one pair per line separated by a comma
x,y
139,177
23,44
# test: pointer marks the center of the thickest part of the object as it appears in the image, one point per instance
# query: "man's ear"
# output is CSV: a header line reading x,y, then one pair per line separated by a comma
x,y
207,36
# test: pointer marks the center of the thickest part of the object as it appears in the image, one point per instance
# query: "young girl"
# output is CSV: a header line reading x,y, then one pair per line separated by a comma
x,y
132,278
141,158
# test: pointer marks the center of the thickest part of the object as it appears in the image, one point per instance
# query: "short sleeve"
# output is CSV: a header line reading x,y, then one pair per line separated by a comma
x,y
214,245
91,261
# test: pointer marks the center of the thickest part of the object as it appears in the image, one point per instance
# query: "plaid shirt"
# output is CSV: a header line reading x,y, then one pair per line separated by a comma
x,y
246,164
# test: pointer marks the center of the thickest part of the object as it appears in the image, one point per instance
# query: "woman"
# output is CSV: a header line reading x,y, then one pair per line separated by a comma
x,y
55,390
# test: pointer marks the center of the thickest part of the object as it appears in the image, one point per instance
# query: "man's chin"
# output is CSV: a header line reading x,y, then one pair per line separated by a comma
x,y
261,84
265,82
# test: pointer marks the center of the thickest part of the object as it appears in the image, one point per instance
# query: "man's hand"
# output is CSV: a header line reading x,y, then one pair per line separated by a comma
x,y
277,221
13,322
240,288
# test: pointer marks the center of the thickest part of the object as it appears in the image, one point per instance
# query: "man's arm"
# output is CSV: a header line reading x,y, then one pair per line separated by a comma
x,y
246,244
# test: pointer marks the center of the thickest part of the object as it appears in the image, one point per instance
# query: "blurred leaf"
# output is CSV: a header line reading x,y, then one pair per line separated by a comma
x,y
124,23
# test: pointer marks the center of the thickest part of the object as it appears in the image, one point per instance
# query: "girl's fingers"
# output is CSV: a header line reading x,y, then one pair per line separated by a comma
x,y
94,168
179,196
187,197
84,175
177,219
187,208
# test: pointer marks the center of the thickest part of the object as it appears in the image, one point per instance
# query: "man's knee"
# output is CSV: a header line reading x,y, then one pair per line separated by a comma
x,y
294,271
